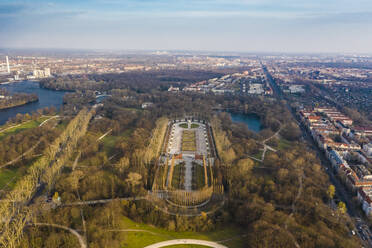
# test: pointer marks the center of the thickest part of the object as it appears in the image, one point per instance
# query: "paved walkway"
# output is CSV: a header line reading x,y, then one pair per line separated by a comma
x,y
74,232
266,147
188,172
186,242
53,117
104,135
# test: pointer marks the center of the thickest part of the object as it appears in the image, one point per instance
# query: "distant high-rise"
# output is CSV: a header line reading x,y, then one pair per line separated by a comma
x,y
47,72
7,64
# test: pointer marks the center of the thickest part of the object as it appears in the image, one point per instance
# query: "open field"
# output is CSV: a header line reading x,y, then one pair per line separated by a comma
x,y
110,141
150,235
8,177
23,126
284,144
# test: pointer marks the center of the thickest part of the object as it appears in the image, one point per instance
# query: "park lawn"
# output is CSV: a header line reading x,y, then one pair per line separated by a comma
x,y
194,125
178,176
284,144
8,178
198,180
23,126
258,155
109,141
63,124
154,235
184,125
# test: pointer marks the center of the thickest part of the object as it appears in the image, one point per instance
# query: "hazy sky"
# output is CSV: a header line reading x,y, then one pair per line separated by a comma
x,y
221,25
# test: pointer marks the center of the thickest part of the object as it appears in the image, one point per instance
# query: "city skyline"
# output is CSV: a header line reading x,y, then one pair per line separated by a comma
x,y
243,26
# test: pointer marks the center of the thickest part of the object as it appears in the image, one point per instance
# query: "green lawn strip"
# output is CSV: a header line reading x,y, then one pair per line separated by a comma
x,y
194,125
178,176
8,178
198,177
258,155
184,125
10,175
284,144
142,239
109,141
23,126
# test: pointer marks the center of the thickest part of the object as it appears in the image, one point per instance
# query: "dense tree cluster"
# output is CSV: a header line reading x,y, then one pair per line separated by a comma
x,y
135,81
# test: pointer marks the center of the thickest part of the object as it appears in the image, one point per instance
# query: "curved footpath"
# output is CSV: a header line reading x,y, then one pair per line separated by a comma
x,y
186,242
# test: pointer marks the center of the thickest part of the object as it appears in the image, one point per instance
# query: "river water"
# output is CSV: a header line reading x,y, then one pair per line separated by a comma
x,y
47,98
251,120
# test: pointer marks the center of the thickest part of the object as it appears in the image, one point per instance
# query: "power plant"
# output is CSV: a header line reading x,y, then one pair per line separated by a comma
x,y
7,64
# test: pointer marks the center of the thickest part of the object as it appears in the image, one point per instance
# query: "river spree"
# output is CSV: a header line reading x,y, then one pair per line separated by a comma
x,y
251,120
47,98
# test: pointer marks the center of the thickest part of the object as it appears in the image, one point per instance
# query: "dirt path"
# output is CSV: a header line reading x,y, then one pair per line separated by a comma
x,y
109,131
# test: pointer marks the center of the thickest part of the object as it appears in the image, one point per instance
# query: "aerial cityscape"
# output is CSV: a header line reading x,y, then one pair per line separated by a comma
x,y
149,124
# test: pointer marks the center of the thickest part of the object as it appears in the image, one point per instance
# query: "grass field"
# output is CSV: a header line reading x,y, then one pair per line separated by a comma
x,y
188,141
8,177
21,127
184,125
284,144
151,235
178,178
109,141
258,155
194,125
197,176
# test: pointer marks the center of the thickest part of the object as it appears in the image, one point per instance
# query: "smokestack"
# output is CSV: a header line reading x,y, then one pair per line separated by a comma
x,y
7,64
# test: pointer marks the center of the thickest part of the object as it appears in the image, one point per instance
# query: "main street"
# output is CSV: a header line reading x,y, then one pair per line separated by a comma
x,y
362,229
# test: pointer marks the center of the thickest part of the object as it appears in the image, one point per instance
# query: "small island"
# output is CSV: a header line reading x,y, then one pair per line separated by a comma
x,y
9,101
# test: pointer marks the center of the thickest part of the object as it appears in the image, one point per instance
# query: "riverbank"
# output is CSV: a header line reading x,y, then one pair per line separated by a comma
x,y
13,104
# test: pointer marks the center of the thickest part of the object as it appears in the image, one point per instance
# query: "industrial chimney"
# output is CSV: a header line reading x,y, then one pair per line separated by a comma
x,y
7,64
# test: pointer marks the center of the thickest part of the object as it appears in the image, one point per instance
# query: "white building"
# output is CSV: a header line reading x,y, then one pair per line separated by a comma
x,y
47,72
368,149
296,88
255,89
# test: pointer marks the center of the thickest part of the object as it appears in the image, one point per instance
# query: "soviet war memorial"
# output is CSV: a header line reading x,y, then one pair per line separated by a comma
x,y
184,181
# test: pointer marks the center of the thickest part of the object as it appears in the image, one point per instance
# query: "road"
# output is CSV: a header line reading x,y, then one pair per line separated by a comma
x,y
186,242
363,230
